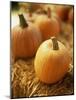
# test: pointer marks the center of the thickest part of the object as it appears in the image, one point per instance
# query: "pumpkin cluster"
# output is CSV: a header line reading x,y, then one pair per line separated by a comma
x,y
39,39
27,36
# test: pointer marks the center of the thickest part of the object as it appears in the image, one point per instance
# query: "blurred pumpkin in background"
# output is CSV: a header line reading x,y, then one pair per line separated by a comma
x,y
26,38
28,9
52,61
62,11
48,25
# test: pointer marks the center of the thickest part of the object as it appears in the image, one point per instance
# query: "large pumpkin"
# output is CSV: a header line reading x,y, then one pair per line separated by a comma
x,y
26,38
49,26
52,61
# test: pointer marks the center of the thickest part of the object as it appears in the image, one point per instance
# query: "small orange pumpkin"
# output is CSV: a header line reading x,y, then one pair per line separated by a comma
x,y
52,61
48,26
26,38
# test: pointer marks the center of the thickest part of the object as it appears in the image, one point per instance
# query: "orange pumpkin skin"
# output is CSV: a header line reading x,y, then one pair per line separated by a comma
x,y
48,26
51,65
25,41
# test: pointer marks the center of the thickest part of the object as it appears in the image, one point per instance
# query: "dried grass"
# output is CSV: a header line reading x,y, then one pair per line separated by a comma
x,y
26,84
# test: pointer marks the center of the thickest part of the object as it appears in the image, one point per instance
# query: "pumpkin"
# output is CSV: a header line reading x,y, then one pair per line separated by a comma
x,y
49,26
25,39
54,15
71,16
52,61
62,11
31,9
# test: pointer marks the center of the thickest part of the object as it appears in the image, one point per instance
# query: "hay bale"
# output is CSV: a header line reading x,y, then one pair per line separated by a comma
x,y
26,84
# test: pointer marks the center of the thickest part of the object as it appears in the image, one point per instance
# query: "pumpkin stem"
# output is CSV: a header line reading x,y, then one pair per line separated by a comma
x,y
23,22
49,12
55,43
